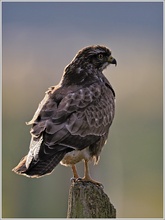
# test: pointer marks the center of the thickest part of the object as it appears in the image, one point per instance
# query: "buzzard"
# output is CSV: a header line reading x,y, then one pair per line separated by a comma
x,y
72,122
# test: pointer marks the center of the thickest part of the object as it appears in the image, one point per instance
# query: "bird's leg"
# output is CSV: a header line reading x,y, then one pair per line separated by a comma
x,y
75,174
86,172
87,175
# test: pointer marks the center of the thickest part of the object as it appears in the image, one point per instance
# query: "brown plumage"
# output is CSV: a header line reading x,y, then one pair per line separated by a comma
x,y
73,120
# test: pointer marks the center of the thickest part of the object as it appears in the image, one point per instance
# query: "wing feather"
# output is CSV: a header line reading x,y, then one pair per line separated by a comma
x,y
96,118
85,112
41,105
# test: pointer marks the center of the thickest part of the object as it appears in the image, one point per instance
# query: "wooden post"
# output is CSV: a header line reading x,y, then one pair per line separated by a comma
x,y
88,200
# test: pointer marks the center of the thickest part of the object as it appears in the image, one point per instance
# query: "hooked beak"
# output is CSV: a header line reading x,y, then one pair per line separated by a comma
x,y
112,60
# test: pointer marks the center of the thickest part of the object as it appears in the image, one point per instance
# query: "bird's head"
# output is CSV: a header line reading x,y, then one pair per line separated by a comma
x,y
98,56
89,61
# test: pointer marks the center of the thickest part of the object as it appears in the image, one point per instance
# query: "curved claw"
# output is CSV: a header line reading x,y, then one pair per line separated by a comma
x,y
72,179
79,179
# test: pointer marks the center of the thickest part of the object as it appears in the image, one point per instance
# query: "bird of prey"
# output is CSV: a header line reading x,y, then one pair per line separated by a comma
x,y
72,122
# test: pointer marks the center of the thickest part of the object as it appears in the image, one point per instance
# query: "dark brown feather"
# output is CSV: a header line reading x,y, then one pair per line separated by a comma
x,y
42,167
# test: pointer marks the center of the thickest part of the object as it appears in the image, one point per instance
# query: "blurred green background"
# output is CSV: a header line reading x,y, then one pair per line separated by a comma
x,y
39,40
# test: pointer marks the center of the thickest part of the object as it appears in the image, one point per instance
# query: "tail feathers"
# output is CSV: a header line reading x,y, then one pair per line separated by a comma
x,y
39,168
20,168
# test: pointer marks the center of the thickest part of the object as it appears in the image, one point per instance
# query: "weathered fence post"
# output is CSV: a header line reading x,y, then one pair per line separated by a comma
x,y
88,200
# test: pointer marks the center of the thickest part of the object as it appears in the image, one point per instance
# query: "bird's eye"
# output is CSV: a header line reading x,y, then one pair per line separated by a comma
x,y
100,56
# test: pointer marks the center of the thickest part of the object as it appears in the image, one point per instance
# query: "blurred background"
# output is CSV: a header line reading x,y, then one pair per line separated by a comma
x,y
39,40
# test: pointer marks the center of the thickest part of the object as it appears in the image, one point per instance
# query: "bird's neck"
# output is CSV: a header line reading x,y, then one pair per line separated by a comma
x,y
78,74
